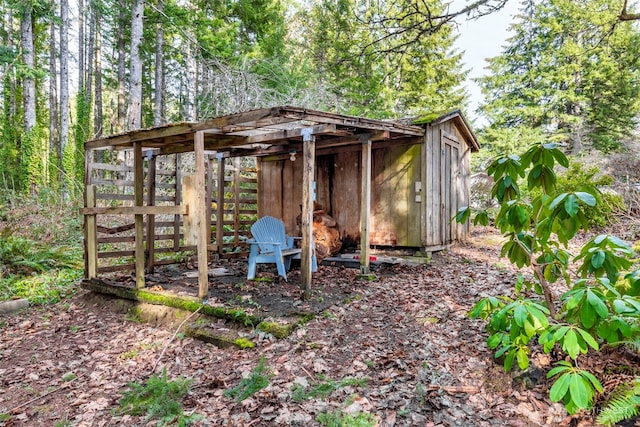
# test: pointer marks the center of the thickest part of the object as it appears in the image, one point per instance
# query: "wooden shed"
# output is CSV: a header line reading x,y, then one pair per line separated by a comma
x,y
185,186
418,183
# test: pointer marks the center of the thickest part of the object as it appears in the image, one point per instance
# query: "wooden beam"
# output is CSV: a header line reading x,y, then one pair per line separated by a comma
x,y
151,219
286,134
308,171
137,210
200,222
138,177
91,233
365,204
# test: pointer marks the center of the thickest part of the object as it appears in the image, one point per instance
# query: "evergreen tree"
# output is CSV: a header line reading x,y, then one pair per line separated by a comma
x,y
568,74
373,74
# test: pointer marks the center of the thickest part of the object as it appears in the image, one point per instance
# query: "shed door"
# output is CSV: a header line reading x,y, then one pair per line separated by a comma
x,y
449,186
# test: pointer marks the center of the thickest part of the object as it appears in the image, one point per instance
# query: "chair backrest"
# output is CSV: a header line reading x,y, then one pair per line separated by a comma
x,y
269,230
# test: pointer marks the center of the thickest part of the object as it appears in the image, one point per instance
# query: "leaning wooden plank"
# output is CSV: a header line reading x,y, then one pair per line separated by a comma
x,y
116,230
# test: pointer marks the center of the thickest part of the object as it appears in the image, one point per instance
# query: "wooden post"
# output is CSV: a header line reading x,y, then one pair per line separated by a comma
x,y
178,201
151,219
365,203
138,191
91,235
308,170
200,213
237,164
88,158
220,206
209,186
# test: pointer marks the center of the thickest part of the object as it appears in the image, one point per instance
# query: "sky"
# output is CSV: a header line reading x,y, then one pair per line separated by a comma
x,y
480,39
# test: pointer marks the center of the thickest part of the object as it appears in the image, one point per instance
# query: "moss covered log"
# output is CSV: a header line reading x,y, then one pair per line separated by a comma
x,y
164,298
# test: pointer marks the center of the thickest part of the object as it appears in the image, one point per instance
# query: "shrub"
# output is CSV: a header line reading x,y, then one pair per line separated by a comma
x,y
602,304
579,177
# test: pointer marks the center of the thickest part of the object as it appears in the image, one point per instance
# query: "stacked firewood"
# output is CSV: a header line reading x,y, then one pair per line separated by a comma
x,y
325,233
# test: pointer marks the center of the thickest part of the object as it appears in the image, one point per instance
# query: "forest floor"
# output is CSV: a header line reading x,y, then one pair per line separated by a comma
x,y
405,335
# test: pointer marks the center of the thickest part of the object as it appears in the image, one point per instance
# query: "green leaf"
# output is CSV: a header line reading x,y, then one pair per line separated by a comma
x,y
588,199
571,205
522,358
494,340
560,157
481,218
502,351
598,305
589,376
463,214
570,344
561,366
557,201
579,391
508,361
520,315
587,316
597,259
560,387
588,338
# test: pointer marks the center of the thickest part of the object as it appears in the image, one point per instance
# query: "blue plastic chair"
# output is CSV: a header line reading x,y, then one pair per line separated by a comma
x,y
271,245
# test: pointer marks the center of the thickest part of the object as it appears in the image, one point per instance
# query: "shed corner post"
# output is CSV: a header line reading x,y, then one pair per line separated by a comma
x,y
365,204
308,170
91,235
200,213
138,177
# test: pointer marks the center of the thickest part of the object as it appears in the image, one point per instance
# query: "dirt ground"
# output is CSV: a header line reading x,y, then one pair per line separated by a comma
x,y
406,333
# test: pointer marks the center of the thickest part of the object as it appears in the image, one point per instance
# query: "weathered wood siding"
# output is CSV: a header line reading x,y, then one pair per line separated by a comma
x,y
395,216
416,190
447,161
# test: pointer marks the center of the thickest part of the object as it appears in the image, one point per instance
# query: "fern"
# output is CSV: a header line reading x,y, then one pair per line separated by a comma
x,y
160,399
255,382
624,405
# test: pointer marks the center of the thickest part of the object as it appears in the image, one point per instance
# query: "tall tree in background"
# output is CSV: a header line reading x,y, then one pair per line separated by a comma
x,y
54,117
10,121
158,111
64,84
569,73
371,74
135,76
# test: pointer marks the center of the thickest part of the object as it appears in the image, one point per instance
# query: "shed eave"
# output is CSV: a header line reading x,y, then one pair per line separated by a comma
x,y
465,128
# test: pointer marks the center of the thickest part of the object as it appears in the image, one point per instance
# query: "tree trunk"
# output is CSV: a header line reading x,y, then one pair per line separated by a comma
x,y
11,42
64,81
81,47
28,57
122,109
54,143
97,111
90,56
159,75
135,76
190,84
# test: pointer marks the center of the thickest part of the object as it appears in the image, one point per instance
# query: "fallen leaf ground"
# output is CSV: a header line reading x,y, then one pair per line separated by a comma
x,y
425,362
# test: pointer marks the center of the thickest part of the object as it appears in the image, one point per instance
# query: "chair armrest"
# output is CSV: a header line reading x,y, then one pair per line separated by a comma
x,y
253,242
